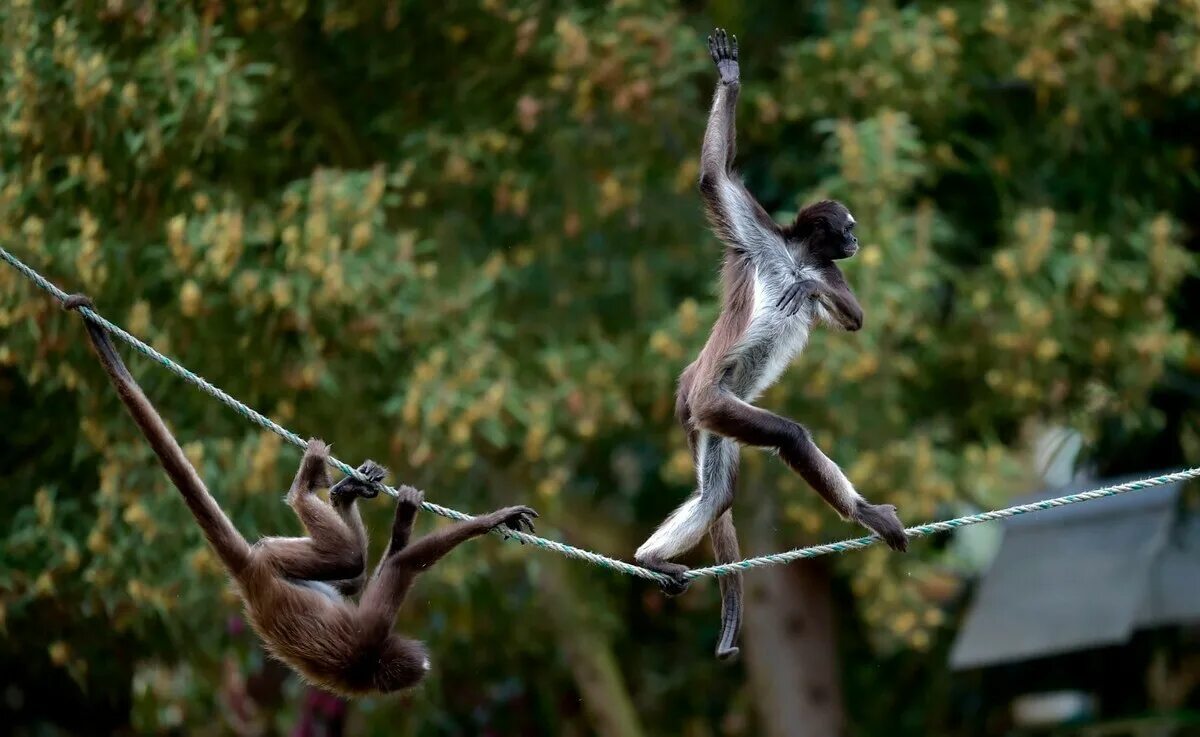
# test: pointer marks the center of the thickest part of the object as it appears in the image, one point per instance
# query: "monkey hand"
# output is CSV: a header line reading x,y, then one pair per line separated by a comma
x,y
514,518
408,496
794,296
350,487
724,52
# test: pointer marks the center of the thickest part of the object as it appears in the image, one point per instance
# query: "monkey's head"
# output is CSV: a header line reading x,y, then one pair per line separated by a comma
x,y
826,229
402,665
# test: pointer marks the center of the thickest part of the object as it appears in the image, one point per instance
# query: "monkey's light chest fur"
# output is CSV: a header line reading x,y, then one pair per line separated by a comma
x,y
772,339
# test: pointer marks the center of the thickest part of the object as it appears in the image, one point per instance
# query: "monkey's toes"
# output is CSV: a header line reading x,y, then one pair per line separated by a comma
x,y
409,495
519,519
673,571
75,301
312,467
316,448
884,522
674,587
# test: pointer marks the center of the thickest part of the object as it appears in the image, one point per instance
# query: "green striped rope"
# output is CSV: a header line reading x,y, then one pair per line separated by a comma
x,y
947,525
568,550
263,421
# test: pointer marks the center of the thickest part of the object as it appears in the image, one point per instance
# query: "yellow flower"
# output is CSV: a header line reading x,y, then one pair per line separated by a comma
x,y
44,505
59,653
189,298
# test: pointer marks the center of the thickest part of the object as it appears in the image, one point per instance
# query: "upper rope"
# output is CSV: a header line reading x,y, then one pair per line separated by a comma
x,y
568,550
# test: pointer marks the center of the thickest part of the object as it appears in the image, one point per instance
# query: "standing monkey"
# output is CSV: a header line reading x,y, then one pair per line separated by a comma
x,y
777,282
293,587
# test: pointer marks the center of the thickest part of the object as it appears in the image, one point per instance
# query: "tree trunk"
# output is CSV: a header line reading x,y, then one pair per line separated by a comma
x,y
791,649
589,656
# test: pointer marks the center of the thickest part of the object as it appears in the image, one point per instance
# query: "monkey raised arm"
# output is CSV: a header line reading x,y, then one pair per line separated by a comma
x,y
720,137
738,219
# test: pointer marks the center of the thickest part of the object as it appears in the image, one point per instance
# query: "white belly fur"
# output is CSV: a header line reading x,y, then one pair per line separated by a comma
x,y
780,336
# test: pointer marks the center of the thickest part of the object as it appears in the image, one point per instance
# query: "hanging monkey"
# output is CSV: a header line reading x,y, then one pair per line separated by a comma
x,y
294,588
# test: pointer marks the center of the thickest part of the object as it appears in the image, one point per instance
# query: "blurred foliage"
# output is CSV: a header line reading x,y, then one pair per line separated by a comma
x,y
465,240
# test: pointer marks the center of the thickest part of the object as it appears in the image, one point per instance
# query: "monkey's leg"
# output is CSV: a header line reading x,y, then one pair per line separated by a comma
x,y
722,533
342,497
403,562
331,552
716,470
722,412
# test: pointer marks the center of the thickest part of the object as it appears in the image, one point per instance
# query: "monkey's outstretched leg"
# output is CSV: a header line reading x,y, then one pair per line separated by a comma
x,y
722,412
403,562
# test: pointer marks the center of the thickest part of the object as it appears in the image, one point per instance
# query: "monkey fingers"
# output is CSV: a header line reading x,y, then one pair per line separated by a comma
x,y
719,45
794,296
724,52
789,297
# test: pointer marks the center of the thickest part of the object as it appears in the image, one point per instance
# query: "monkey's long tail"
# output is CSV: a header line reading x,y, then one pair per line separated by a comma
x,y
225,539
725,550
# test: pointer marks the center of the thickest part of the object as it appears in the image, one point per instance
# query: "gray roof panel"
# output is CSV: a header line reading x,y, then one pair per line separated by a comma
x,y
1078,577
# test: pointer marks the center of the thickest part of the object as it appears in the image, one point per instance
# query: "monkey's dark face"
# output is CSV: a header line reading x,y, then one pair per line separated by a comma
x,y
837,239
827,229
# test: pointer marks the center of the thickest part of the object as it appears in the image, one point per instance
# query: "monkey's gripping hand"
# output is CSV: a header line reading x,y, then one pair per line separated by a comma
x,y
724,52
350,487
794,296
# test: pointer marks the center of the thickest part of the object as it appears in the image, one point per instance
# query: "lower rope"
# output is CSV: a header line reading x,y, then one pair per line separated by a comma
x,y
568,550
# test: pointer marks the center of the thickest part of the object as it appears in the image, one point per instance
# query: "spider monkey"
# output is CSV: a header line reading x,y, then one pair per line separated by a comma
x,y
777,283
293,587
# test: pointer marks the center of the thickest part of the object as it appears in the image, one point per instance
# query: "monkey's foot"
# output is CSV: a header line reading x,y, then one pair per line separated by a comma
x,y
351,487
409,496
723,49
678,584
883,521
75,301
516,518
314,467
